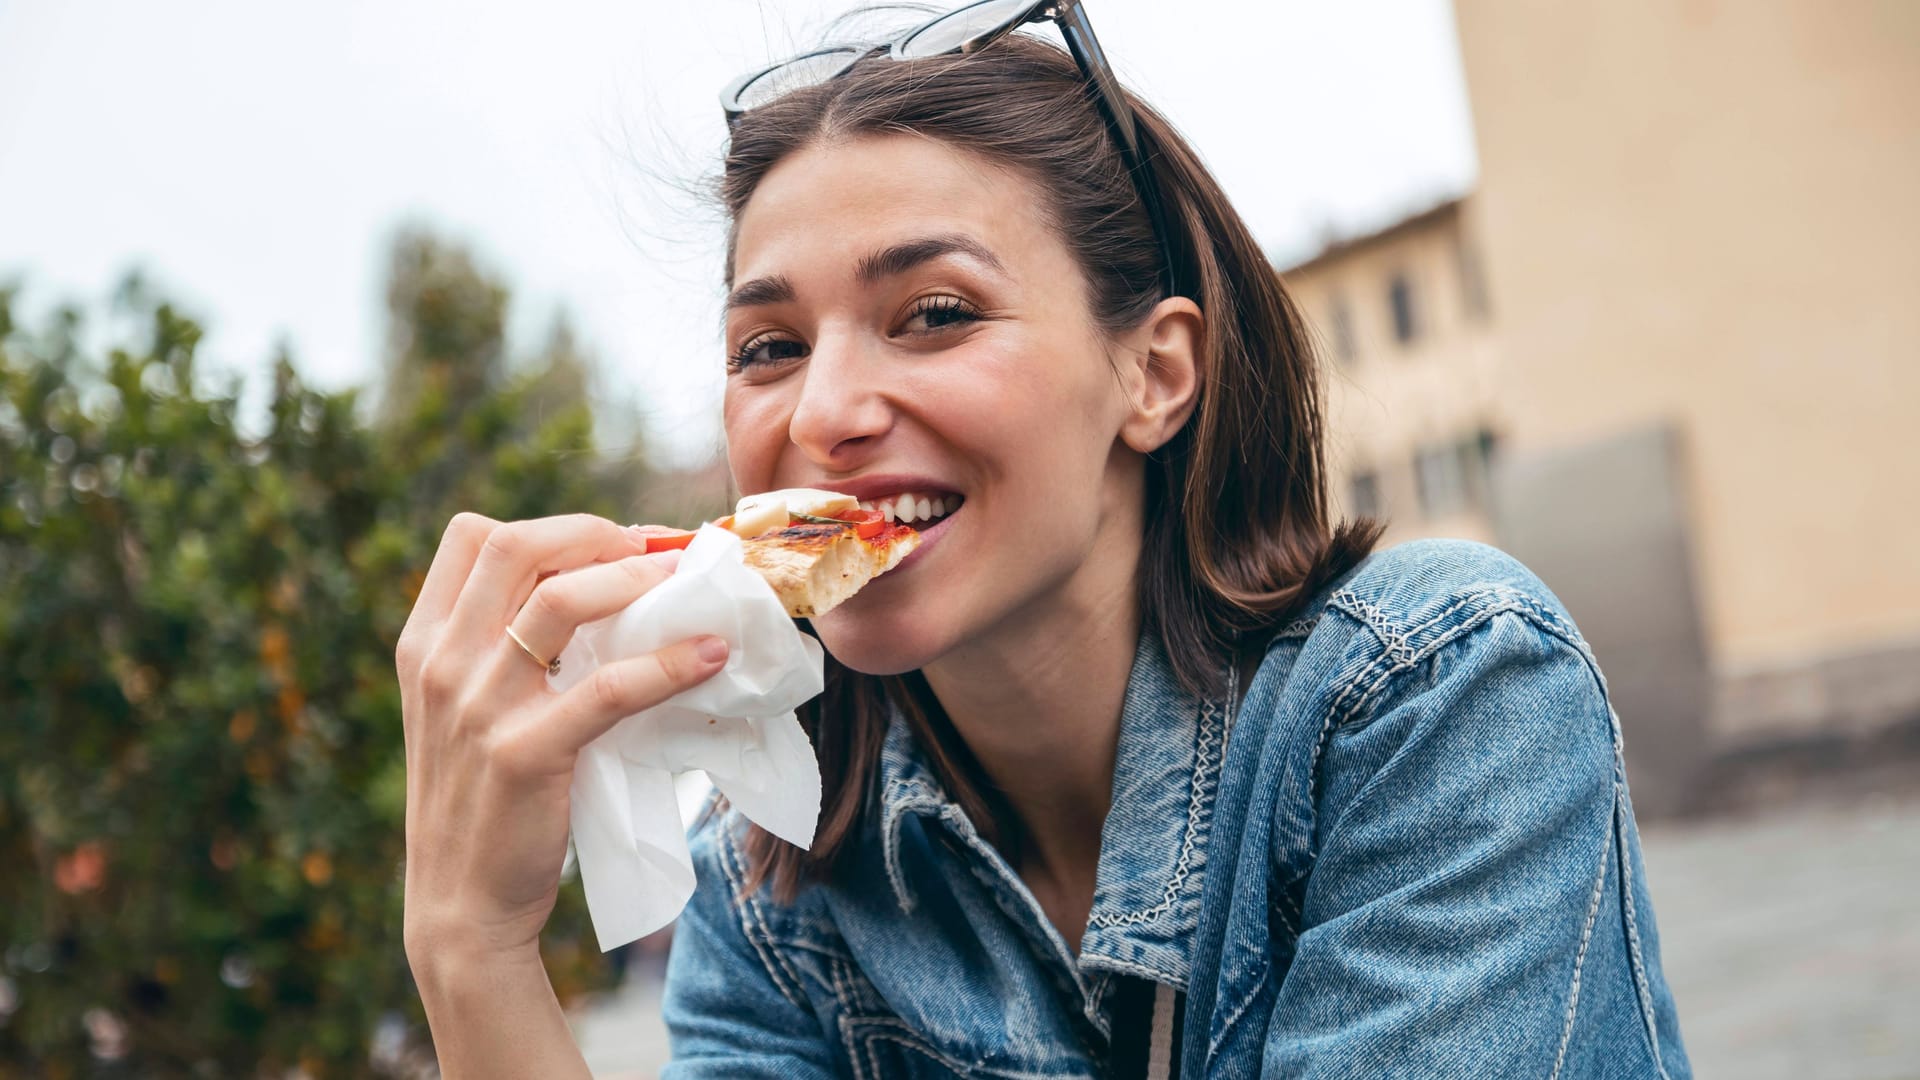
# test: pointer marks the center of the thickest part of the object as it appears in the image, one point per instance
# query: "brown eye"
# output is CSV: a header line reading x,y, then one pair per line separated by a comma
x,y
940,312
765,350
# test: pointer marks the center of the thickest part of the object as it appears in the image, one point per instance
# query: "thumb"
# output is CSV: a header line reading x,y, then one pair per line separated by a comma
x,y
620,689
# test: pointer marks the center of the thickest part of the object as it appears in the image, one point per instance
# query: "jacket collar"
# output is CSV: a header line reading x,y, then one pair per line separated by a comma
x,y
1153,846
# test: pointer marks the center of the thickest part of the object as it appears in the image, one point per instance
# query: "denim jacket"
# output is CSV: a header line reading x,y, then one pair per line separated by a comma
x,y
1407,850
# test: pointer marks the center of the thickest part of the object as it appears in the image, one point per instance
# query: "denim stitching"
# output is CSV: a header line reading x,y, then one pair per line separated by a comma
x,y
913,1040
1203,777
796,994
1299,917
853,1052
841,995
1501,596
909,1041
1181,865
1289,924
1253,991
1375,620
1633,934
752,928
820,948
1586,935
1300,627
1508,605
896,808
1007,898
1395,647
1511,603
843,987
1508,601
1097,988
1142,970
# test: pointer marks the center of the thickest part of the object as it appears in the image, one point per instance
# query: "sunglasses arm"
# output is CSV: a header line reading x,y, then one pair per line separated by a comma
x,y
1086,51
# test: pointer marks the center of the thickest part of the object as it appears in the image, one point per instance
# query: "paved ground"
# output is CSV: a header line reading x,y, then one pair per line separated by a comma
x,y
1791,940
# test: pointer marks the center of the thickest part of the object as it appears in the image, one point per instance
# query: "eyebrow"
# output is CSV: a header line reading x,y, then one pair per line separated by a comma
x,y
903,257
762,291
887,262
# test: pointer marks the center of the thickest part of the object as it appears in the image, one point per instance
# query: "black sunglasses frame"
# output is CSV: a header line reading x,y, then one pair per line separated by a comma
x,y
1085,49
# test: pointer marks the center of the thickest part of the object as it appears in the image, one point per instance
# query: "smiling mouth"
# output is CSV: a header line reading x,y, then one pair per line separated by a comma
x,y
920,509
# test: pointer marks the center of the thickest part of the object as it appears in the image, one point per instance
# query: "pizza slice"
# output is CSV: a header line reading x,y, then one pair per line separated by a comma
x,y
815,548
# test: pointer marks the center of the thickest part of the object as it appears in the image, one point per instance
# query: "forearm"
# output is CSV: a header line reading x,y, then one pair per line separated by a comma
x,y
495,1016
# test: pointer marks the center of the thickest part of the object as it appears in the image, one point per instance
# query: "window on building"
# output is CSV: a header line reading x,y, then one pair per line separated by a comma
x,y
1340,327
1363,495
1406,327
1441,483
1476,464
1456,476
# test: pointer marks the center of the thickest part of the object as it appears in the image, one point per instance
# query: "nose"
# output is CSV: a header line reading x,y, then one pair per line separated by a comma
x,y
842,412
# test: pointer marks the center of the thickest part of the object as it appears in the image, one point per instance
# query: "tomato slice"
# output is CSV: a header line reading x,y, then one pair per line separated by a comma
x,y
673,541
867,523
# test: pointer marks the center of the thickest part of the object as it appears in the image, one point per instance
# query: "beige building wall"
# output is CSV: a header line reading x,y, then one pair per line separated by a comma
x,y
1390,401
1708,212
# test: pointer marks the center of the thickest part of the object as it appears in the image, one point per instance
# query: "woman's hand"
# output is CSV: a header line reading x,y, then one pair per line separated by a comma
x,y
490,747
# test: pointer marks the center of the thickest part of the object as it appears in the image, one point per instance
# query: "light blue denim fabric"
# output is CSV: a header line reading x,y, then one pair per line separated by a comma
x,y
1407,852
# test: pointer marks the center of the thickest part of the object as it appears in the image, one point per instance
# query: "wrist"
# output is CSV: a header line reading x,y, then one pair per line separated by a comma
x,y
434,947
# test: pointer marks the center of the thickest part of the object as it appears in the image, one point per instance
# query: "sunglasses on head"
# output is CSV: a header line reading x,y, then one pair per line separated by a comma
x,y
965,30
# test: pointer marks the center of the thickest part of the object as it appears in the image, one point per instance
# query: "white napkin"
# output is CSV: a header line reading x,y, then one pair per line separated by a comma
x,y
738,726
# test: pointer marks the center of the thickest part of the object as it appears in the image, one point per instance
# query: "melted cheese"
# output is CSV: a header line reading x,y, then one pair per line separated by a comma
x,y
769,510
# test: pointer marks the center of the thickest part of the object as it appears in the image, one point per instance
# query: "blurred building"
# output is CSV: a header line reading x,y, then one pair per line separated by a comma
x,y
1668,353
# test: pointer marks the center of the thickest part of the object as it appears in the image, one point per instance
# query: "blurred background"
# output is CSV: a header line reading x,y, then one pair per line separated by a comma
x,y
1626,290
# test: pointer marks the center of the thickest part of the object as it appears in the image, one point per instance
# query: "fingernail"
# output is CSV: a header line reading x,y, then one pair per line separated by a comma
x,y
637,533
669,558
712,649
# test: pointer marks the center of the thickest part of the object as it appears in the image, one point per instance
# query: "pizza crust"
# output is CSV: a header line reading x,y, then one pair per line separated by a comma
x,y
814,568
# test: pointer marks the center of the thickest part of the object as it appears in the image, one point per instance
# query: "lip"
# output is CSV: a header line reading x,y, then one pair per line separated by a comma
x,y
880,485
928,538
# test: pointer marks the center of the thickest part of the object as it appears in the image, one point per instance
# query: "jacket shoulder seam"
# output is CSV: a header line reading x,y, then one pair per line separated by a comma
x,y
1406,646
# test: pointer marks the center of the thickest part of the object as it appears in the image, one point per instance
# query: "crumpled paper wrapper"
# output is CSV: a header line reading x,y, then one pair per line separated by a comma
x,y
738,726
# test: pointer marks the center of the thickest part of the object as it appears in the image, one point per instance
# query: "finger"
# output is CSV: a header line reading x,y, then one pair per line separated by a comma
x,y
514,555
562,603
459,546
619,690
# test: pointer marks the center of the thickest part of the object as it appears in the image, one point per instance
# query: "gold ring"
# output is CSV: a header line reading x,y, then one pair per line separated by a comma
x,y
552,666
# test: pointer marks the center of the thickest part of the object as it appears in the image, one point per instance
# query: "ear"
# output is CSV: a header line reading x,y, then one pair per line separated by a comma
x,y
1161,373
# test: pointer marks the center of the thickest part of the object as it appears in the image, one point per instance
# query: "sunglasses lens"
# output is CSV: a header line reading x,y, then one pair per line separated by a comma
x,y
951,32
809,70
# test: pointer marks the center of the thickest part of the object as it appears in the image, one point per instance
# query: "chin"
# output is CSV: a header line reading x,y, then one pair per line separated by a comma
x,y
867,636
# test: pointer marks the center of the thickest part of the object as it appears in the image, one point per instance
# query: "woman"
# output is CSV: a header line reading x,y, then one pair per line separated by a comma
x,y
1140,766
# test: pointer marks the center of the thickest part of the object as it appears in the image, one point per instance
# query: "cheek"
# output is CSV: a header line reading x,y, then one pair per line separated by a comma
x,y
754,421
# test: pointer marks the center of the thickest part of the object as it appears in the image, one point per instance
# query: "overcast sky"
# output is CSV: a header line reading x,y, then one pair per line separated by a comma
x,y
254,158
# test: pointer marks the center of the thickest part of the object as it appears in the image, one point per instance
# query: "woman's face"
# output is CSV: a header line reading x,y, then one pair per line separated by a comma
x,y
905,323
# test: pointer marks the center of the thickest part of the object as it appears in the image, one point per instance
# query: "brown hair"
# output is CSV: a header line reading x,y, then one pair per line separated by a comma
x,y
1238,532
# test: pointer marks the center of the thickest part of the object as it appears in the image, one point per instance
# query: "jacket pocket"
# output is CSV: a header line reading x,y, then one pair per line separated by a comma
x,y
884,1047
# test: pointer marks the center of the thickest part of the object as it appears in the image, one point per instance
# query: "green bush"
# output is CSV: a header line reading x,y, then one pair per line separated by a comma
x,y
202,805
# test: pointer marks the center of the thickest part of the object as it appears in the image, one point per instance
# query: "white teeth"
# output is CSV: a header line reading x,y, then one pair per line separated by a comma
x,y
906,509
